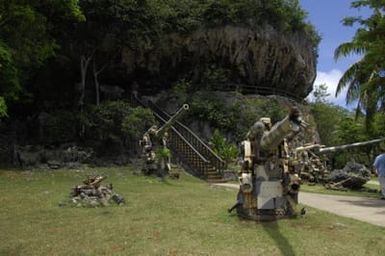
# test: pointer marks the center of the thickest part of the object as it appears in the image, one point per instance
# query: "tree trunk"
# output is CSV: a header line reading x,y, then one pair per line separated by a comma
x,y
97,85
96,73
84,62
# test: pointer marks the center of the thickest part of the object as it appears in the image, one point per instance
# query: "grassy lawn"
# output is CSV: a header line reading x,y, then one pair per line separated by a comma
x,y
365,192
185,217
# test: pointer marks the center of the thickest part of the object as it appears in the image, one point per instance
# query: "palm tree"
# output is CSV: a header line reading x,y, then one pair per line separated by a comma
x,y
364,83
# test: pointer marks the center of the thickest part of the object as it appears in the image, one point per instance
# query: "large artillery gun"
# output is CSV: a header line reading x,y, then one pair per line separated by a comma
x,y
268,187
155,153
309,159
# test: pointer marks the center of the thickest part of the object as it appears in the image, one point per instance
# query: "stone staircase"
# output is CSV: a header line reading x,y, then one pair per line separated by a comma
x,y
193,154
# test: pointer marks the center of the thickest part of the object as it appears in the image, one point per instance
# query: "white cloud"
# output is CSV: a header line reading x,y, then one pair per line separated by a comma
x,y
331,79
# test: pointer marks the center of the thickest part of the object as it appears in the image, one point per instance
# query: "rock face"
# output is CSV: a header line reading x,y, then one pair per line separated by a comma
x,y
260,57
37,156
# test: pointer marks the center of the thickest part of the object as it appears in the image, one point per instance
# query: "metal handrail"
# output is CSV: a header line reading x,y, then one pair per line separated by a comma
x,y
191,147
183,138
256,89
249,89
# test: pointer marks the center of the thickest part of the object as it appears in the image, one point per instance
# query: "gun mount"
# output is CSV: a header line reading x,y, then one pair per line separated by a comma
x,y
268,187
156,154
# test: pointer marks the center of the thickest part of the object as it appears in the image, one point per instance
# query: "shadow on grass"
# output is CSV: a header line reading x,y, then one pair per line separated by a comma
x,y
272,229
162,181
374,203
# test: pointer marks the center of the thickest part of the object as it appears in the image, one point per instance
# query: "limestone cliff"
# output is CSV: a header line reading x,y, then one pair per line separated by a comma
x,y
259,57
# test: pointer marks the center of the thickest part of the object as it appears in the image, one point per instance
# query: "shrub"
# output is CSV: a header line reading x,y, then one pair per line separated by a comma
x,y
137,122
226,150
116,124
59,127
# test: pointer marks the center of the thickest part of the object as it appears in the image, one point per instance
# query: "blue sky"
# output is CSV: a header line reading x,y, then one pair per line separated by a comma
x,y
326,16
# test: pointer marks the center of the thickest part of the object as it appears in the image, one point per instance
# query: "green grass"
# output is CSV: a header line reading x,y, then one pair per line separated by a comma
x,y
185,217
366,191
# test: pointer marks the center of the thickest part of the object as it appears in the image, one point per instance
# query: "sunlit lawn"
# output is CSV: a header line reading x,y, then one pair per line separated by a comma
x,y
184,217
368,190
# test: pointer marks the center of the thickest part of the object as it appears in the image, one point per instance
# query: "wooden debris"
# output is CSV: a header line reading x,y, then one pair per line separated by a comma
x,y
93,194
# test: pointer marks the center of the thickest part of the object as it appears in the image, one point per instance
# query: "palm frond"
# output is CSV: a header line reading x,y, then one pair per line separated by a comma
x,y
354,92
358,109
348,77
348,48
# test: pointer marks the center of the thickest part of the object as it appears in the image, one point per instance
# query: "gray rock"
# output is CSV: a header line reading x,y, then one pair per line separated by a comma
x,y
353,175
259,56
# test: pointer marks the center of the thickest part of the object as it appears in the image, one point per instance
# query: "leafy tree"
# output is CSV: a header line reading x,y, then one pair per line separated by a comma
x,y
116,123
338,126
3,107
320,93
27,39
363,79
9,82
379,125
328,117
110,26
137,122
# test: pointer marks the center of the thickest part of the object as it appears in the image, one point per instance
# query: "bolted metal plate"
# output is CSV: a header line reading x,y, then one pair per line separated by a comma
x,y
261,173
268,193
268,189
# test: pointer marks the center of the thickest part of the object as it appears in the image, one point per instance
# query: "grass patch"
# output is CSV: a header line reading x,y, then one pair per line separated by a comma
x,y
185,217
366,191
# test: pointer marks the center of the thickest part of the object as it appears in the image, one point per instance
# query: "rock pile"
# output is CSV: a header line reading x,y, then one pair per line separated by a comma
x,y
353,176
93,194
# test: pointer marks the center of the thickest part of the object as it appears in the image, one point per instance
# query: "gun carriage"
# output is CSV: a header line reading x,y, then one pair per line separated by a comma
x,y
268,186
156,155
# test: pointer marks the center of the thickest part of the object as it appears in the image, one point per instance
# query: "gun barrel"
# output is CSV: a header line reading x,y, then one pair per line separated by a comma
x,y
352,145
278,132
173,118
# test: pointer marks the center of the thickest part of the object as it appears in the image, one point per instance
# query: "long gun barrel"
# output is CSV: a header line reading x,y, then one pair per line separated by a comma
x,y
348,146
172,120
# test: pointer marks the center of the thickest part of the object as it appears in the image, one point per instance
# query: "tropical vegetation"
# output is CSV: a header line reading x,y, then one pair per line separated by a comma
x,y
365,79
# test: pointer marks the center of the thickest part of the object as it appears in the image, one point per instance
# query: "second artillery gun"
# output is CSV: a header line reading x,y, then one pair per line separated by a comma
x,y
307,159
156,155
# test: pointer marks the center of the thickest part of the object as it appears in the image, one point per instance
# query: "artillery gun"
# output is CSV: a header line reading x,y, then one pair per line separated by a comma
x,y
312,168
155,153
268,186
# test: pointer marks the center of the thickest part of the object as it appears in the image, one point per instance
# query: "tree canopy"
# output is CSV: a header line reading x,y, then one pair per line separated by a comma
x,y
28,31
365,79
42,39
